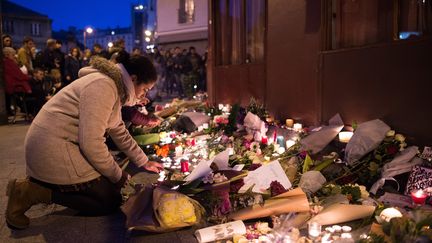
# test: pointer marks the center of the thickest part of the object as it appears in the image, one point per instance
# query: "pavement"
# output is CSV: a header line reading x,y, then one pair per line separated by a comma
x,y
55,223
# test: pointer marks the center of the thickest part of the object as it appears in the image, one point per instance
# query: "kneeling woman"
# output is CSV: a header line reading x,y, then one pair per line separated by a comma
x,y
67,160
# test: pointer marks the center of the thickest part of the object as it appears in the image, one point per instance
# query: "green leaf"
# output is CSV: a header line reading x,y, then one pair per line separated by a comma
x,y
323,164
147,139
307,163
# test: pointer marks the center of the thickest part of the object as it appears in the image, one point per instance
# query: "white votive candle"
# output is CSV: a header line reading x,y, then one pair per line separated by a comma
x,y
344,137
297,127
314,229
290,143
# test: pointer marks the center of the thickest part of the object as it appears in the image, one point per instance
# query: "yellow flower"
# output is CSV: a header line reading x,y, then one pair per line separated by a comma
x,y
176,210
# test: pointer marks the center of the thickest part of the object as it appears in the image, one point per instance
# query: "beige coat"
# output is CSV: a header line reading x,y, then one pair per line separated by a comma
x,y
66,141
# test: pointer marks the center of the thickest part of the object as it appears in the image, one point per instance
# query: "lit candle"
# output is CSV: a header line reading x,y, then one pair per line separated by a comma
x,y
297,127
281,141
314,229
344,137
290,143
281,150
184,166
418,197
289,122
178,151
264,140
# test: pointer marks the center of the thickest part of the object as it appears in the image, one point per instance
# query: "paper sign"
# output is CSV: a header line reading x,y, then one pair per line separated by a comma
x,y
262,177
221,160
427,153
221,231
202,169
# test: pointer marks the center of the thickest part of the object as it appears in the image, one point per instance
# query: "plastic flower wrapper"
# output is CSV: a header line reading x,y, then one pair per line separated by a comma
x,y
366,138
161,210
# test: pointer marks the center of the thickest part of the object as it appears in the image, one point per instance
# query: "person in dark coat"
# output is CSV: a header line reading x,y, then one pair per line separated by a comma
x,y
72,65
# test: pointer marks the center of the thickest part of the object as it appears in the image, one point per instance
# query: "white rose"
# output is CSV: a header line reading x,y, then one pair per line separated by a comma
x,y
364,192
400,138
390,133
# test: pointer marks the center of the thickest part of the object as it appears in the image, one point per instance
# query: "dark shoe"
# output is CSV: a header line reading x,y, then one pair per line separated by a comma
x,y
23,194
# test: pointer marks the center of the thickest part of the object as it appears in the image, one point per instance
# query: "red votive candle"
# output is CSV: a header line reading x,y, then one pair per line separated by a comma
x,y
264,140
418,196
184,166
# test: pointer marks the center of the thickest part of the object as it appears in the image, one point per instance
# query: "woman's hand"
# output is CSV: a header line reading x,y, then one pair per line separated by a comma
x,y
153,166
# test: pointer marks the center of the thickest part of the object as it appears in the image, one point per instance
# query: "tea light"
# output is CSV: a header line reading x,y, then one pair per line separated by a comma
x,y
289,122
344,137
337,228
346,229
264,140
281,150
178,151
297,127
418,196
205,125
314,229
290,143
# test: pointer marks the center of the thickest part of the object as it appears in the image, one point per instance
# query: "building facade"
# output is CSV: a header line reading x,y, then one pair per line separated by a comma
x,y
143,23
182,23
19,22
309,60
106,37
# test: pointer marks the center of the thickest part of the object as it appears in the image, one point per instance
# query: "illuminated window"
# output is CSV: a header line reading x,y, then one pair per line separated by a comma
x,y
186,12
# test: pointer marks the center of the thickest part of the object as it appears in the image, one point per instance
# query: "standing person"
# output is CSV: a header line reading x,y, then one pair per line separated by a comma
x,y
72,65
38,93
59,58
7,40
15,79
71,165
25,55
46,58
99,51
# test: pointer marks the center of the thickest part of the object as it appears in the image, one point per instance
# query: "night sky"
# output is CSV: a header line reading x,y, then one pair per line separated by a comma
x,y
83,13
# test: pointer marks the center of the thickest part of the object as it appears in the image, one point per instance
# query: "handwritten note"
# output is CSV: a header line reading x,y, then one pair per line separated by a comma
x,y
221,231
262,177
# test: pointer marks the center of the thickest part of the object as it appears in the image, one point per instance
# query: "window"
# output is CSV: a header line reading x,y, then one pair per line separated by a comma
x,y
186,12
8,26
239,27
353,23
35,29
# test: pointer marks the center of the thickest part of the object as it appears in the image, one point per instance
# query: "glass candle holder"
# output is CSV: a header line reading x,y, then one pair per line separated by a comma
x,y
314,229
418,197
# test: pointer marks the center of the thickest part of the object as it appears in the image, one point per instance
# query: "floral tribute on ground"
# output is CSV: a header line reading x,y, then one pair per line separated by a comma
x,y
230,165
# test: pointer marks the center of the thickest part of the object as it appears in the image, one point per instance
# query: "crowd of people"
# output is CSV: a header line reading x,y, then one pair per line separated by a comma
x,y
40,75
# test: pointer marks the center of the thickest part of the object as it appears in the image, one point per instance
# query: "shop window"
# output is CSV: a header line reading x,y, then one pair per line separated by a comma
x,y
239,29
355,23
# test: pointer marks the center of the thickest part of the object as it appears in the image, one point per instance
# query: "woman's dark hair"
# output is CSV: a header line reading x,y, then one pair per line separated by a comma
x,y
143,68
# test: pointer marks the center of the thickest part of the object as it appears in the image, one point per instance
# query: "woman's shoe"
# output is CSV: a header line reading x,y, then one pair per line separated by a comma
x,y
23,194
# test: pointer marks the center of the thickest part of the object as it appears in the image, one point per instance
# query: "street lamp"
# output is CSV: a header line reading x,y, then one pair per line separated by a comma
x,y
88,30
